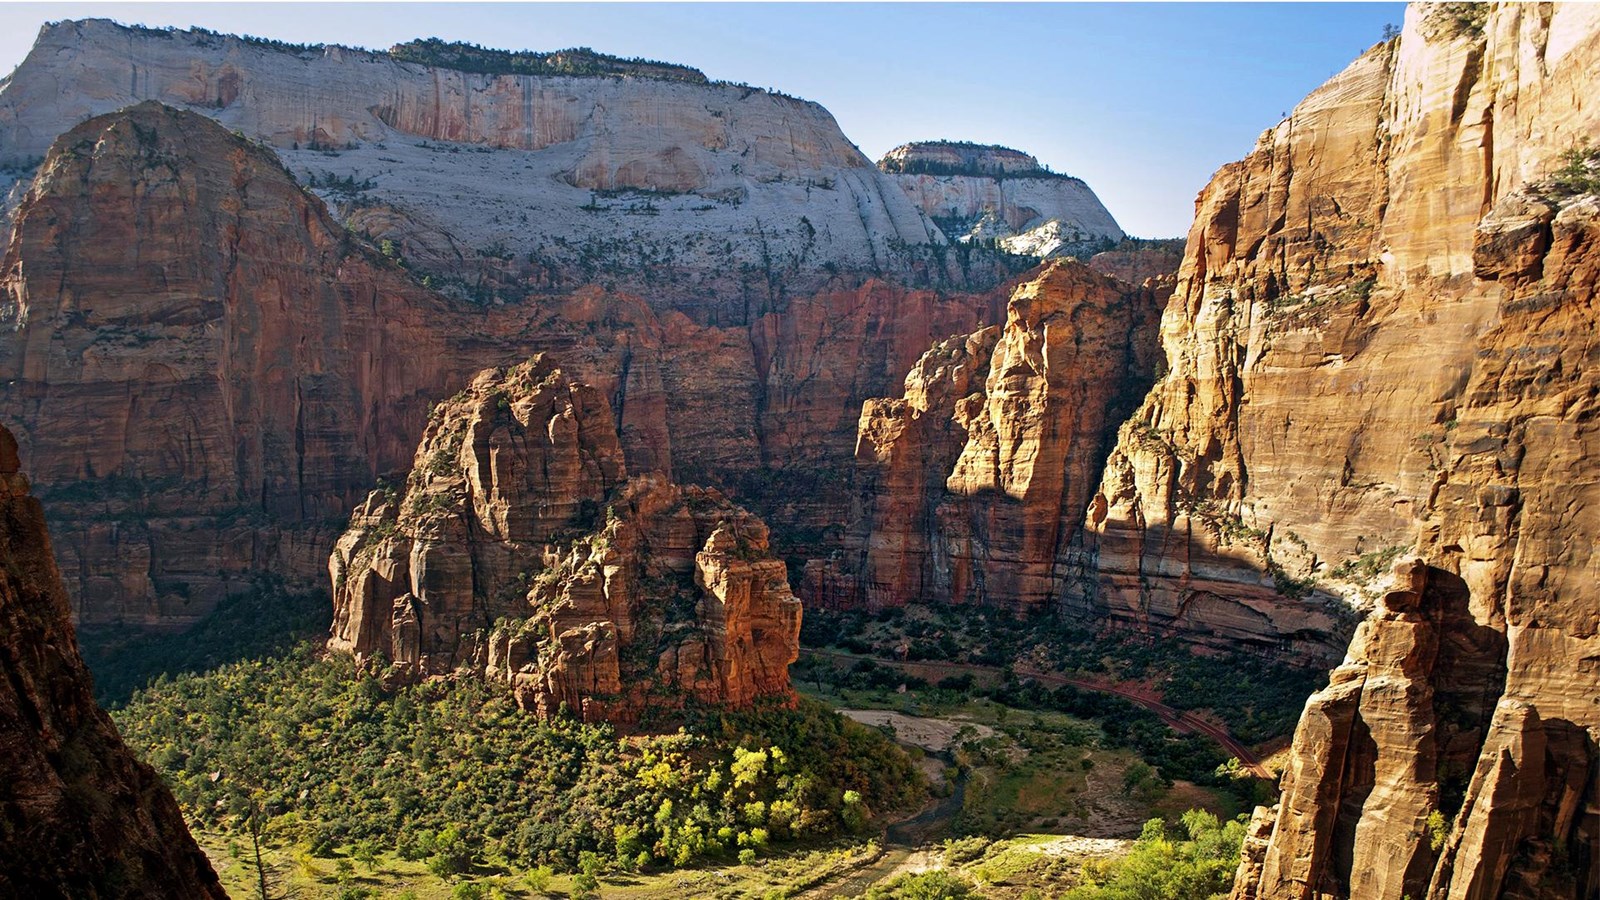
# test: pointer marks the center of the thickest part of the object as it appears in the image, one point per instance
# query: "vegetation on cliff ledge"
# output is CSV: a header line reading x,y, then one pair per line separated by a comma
x,y
453,772
578,61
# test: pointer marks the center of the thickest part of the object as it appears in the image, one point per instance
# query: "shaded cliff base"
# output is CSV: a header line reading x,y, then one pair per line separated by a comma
x,y
267,620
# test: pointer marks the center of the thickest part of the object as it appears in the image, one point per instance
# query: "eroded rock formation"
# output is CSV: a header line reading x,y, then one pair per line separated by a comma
x,y
518,550
972,485
81,816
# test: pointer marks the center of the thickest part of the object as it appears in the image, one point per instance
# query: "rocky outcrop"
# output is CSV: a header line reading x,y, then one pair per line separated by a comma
x,y
82,817
516,551
972,485
1454,753
520,458
981,194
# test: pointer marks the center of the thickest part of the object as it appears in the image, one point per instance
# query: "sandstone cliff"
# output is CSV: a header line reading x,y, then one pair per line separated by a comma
x,y
980,194
709,197
82,818
1377,351
207,371
972,485
516,551
199,360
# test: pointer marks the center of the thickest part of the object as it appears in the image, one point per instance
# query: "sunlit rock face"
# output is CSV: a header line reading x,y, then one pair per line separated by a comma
x,y
206,371
83,817
197,358
972,485
519,550
1382,331
980,193
706,197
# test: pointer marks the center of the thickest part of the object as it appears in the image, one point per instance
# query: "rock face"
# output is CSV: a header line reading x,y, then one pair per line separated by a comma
x,y
208,371
972,485
1395,275
199,361
981,193
1144,260
82,816
706,197
516,550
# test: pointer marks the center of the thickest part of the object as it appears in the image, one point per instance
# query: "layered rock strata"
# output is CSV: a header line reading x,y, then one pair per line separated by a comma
x,y
518,550
1322,331
199,361
207,371
1454,754
981,194
80,815
972,485
710,197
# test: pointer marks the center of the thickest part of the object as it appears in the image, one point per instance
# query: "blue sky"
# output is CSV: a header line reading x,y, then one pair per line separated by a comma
x,y
1144,101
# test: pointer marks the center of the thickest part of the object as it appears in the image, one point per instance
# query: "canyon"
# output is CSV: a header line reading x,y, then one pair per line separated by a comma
x,y
1353,428
203,410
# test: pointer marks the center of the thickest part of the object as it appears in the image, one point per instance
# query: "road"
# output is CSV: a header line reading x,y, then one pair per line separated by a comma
x,y
1177,719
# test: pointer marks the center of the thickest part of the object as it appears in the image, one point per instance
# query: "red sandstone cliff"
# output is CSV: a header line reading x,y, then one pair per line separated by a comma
x,y
972,486
81,817
199,361
516,550
208,371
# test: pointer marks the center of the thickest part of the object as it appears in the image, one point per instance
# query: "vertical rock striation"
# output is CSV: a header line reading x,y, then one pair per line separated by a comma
x,y
208,371
80,817
973,485
199,359
1454,754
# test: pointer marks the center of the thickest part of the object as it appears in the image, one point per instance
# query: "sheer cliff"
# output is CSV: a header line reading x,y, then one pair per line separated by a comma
x,y
971,487
207,371
79,815
1378,351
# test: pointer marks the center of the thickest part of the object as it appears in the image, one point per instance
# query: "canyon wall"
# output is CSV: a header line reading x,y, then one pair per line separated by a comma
x,y
207,371
972,486
720,200
518,549
82,817
1379,356
197,362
